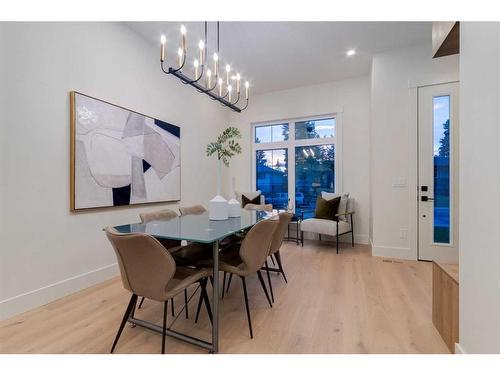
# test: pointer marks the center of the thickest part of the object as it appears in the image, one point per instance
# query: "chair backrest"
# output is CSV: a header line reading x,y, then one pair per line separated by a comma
x,y
197,209
259,207
255,247
163,215
279,233
146,266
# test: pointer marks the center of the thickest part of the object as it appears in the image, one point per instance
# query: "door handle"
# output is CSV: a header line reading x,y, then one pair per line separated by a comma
x,y
425,198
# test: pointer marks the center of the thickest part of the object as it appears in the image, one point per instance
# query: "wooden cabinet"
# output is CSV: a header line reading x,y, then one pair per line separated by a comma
x,y
445,302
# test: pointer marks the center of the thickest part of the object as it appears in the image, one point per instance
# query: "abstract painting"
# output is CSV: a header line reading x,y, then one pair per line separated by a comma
x,y
121,157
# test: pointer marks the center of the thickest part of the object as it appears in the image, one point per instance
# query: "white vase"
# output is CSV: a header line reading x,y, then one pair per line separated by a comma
x,y
234,208
218,208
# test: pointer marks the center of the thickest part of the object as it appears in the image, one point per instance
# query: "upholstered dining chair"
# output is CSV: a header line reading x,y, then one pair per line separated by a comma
x,y
148,270
284,219
259,207
171,245
197,209
250,258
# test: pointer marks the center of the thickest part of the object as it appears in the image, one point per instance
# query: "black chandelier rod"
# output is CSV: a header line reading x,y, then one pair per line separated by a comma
x,y
194,82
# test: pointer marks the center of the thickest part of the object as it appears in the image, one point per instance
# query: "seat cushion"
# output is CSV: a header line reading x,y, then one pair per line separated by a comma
x,y
324,226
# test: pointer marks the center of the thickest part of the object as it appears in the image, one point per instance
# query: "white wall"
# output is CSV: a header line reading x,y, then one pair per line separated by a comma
x,y
43,245
395,76
351,98
479,187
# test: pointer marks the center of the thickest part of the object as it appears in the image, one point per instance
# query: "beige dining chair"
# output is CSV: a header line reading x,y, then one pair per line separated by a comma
x,y
259,207
197,209
251,257
284,219
148,270
171,245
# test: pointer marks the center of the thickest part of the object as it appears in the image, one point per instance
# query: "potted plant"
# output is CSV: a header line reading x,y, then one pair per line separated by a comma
x,y
225,147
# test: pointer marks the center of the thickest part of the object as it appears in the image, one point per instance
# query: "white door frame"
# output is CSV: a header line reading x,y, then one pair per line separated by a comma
x,y
413,165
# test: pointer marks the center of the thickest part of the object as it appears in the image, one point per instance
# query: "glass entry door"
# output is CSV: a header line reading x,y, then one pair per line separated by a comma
x,y
438,173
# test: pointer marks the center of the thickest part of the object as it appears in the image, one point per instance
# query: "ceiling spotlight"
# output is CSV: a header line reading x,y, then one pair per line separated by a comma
x,y
351,52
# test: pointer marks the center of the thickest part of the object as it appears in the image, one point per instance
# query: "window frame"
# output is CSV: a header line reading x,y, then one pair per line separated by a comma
x,y
291,143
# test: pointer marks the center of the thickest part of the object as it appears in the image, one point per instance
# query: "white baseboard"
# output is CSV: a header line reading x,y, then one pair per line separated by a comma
x,y
393,252
459,349
39,297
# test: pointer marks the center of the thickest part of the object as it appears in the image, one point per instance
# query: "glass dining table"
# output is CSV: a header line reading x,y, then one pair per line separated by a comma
x,y
200,229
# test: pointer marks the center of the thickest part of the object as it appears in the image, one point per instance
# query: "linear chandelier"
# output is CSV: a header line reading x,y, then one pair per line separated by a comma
x,y
206,81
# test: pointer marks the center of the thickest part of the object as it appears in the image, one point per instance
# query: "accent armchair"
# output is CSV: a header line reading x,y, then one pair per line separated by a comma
x,y
342,223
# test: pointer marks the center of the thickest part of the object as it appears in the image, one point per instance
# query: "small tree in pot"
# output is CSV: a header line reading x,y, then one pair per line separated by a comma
x,y
226,147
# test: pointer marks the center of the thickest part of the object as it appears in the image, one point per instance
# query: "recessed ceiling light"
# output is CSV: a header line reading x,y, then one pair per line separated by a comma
x,y
351,52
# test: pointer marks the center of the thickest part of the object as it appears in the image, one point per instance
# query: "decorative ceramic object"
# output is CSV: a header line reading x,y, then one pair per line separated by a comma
x,y
234,208
218,208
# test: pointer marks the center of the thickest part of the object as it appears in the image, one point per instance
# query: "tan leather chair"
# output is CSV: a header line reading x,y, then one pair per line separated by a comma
x,y
259,207
197,209
284,219
171,245
148,270
162,215
252,255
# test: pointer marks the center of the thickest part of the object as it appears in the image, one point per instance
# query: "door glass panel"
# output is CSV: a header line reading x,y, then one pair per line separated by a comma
x,y
442,152
314,173
272,176
324,128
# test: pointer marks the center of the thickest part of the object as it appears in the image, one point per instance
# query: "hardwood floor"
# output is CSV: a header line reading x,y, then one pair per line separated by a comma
x,y
346,303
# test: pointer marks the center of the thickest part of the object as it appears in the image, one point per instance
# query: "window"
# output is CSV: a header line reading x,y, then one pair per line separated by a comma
x,y
271,133
295,160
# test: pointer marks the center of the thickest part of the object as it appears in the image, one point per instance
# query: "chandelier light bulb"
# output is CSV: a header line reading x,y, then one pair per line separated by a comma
x,y
216,57
228,69
209,78
247,85
163,40
180,52
183,30
220,86
238,78
201,44
196,63
229,88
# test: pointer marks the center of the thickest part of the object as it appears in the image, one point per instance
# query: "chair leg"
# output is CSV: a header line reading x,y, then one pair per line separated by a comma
x,y
320,236
164,333
280,265
229,282
272,259
352,231
246,305
269,281
172,307
200,301
186,303
140,303
302,238
223,284
261,279
204,294
131,305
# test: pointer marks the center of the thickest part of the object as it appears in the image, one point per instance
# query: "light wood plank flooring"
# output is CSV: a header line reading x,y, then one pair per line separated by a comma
x,y
346,303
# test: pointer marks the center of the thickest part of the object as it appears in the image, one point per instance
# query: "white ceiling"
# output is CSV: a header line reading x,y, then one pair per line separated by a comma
x,y
282,55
